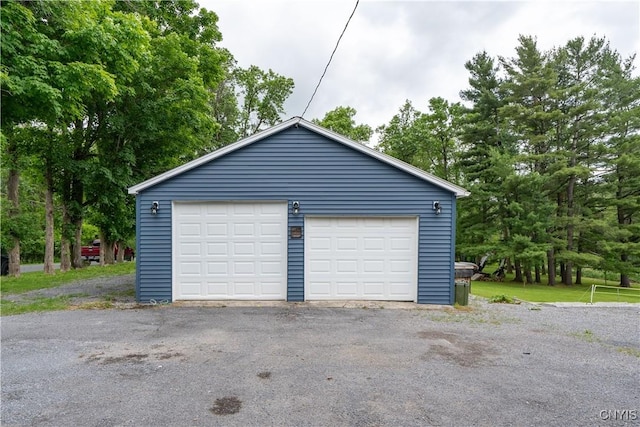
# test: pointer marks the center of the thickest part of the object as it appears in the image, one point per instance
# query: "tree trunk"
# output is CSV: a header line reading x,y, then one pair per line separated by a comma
x,y
527,274
625,282
77,192
568,278
13,186
106,256
65,241
537,271
77,244
49,243
578,275
121,248
518,267
551,267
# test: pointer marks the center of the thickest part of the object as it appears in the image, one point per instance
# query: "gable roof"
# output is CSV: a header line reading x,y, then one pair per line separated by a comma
x,y
300,122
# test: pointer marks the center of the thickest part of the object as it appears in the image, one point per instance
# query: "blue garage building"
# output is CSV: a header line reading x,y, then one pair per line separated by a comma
x,y
297,213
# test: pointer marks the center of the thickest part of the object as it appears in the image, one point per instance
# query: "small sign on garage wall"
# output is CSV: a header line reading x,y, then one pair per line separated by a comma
x,y
296,232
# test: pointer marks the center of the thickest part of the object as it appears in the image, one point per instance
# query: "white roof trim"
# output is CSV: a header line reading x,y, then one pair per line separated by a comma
x,y
297,121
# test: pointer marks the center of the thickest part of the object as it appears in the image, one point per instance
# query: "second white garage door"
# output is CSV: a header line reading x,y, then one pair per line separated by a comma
x,y
361,258
230,251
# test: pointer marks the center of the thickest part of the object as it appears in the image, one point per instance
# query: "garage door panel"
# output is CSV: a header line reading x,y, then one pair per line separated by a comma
x,y
271,229
191,288
230,251
400,266
399,288
217,289
271,289
244,209
219,248
373,266
243,249
190,230
272,209
244,288
244,268
218,268
347,289
217,230
347,266
371,258
319,243
320,266
347,244
192,210
243,230
320,288
373,243
405,244
270,249
190,249
373,289
270,268
345,223
190,268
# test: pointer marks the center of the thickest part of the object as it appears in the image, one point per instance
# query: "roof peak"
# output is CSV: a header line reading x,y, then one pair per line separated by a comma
x,y
299,121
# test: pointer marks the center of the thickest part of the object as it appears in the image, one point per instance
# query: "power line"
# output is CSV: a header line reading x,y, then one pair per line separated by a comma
x,y
330,58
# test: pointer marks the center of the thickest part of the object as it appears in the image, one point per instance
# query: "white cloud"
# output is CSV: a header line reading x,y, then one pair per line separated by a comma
x,y
394,51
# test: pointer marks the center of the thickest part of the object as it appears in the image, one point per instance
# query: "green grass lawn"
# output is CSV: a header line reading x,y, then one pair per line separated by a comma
x,y
38,280
558,293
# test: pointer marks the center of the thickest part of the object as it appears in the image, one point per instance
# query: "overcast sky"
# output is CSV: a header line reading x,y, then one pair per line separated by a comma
x,y
393,51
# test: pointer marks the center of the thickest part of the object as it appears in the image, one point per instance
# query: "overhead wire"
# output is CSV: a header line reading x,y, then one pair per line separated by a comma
x,y
330,58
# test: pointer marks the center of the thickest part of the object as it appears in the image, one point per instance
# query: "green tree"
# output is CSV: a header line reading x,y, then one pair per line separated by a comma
x,y
531,113
224,105
620,97
43,87
485,145
262,95
438,139
397,138
341,120
162,120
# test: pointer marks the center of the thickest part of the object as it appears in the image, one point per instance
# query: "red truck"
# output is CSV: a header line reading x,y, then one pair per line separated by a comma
x,y
92,253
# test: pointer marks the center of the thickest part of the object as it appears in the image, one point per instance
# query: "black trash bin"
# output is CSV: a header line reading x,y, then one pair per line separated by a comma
x,y
462,292
463,273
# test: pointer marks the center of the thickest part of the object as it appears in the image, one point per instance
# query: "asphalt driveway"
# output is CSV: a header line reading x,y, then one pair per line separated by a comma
x,y
308,365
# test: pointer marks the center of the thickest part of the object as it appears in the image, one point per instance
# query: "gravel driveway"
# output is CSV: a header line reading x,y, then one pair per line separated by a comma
x,y
316,365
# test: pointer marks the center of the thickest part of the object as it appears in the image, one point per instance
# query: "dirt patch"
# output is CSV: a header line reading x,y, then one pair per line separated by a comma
x,y
227,406
133,358
140,357
165,356
453,347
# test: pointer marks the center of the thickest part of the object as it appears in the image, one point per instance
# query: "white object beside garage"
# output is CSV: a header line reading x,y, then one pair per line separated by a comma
x,y
361,258
228,251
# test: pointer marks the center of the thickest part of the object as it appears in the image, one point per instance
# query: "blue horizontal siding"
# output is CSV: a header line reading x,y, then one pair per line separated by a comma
x,y
328,178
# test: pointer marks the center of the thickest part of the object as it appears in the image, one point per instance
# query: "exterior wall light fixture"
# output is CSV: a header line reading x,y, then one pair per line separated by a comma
x,y
296,207
154,208
436,207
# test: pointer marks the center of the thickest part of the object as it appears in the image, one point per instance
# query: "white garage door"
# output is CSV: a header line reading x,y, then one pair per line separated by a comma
x,y
364,258
230,251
